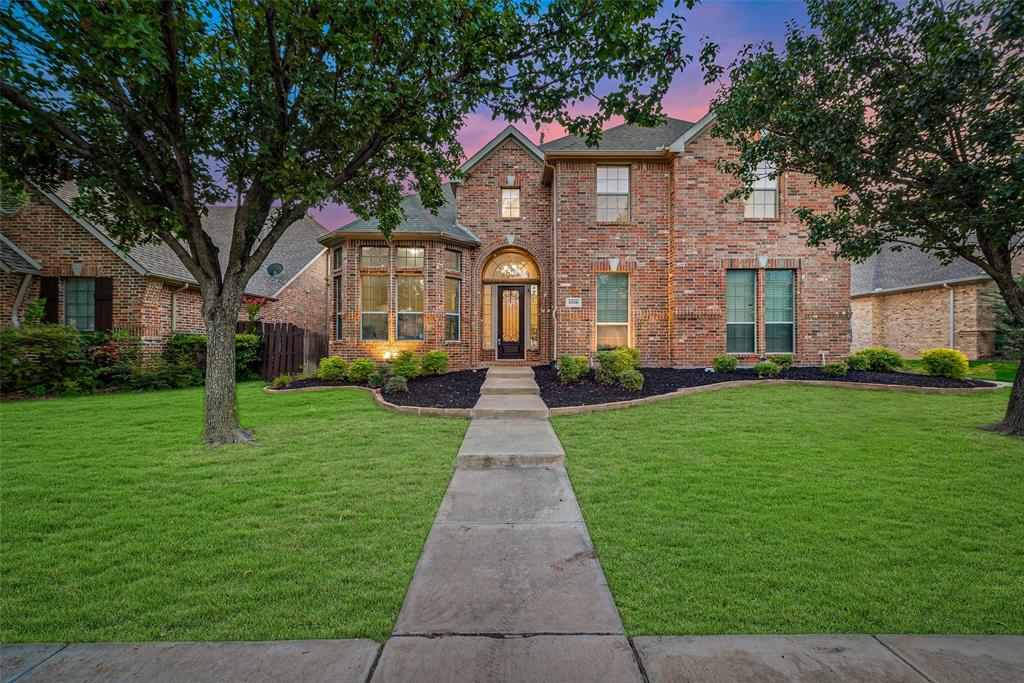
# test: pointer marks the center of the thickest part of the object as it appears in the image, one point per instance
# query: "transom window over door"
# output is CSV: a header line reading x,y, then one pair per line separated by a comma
x,y
763,200
740,315
612,310
778,311
613,194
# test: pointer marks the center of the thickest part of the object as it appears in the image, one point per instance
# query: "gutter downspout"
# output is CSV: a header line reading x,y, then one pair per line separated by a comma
x,y
26,282
174,307
952,333
554,266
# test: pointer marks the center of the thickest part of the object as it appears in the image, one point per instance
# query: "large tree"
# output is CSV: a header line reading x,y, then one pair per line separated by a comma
x,y
915,111
158,109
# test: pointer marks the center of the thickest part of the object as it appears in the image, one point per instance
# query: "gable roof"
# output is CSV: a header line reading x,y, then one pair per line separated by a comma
x,y
418,221
14,260
509,132
295,250
626,137
910,268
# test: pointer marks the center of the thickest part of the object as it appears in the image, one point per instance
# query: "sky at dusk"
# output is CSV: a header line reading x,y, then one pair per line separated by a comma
x,y
729,23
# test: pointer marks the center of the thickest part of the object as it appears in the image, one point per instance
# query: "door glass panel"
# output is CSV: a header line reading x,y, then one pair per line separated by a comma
x,y
510,324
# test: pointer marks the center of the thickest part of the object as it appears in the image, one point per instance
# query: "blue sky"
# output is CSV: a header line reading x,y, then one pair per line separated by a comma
x,y
729,23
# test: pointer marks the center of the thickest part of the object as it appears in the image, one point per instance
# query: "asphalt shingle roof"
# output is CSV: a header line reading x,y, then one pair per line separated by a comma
x,y
13,259
908,268
624,138
419,219
296,248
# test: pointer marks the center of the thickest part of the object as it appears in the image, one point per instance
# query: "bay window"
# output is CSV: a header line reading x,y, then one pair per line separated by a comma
x,y
452,309
409,319
374,307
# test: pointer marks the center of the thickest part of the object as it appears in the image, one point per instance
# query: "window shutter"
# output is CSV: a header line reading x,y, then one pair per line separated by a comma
x,y
104,303
49,289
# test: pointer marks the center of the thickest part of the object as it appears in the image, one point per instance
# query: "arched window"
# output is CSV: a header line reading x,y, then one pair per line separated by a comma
x,y
511,265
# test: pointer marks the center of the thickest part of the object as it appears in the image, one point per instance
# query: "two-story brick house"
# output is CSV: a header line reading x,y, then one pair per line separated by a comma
x,y
564,249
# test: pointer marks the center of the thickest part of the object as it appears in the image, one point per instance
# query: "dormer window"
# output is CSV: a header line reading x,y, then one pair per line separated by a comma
x,y
763,200
613,194
510,202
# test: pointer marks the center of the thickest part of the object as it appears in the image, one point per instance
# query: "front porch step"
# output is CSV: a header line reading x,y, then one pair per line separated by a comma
x,y
510,408
510,443
509,386
510,371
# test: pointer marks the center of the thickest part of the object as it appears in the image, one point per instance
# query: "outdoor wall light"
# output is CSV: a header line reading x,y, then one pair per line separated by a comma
x,y
387,355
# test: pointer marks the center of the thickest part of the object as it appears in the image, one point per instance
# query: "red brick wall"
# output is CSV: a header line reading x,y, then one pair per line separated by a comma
x,y
303,302
711,236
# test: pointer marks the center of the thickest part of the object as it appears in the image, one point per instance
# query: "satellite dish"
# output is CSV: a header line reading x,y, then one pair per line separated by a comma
x,y
274,269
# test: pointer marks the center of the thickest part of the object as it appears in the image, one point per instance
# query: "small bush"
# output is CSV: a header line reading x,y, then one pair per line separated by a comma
x,y
280,381
572,369
360,369
631,380
838,369
186,348
378,378
875,359
332,369
407,364
128,345
41,359
767,369
724,363
435,362
613,363
169,376
247,355
784,361
35,311
944,363
396,385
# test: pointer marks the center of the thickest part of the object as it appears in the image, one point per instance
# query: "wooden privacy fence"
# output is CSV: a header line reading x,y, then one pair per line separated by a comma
x,y
287,349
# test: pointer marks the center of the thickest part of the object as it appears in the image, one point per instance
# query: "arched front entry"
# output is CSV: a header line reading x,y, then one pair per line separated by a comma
x,y
511,303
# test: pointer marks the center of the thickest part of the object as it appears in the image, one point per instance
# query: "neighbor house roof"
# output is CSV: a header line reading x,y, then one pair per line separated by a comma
x,y
625,138
910,268
296,249
418,221
14,260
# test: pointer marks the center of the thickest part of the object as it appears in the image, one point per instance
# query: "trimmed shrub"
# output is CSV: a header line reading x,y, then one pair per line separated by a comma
x,y
767,369
631,380
613,363
407,364
435,362
396,385
41,359
875,359
169,376
944,363
378,378
280,381
186,348
128,345
838,369
785,361
724,363
360,369
247,355
332,369
572,368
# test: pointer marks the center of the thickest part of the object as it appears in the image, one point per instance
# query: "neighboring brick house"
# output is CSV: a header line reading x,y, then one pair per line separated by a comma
x,y
46,250
562,249
910,302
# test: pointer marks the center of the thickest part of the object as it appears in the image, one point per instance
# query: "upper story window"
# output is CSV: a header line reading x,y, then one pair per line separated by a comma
x,y
510,202
337,259
763,200
453,260
373,257
409,257
613,194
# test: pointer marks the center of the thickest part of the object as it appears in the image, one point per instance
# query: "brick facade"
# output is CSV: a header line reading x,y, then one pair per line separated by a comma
x,y
149,307
676,247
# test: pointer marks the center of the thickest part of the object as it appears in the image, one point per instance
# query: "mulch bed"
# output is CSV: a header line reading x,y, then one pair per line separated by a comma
x,y
666,380
452,390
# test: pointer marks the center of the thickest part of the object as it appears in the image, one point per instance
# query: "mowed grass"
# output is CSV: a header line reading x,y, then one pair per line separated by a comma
x,y
119,525
792,509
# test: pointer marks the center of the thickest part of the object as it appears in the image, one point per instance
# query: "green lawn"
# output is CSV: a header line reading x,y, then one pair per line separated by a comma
x,y
998,370
118,525
805,510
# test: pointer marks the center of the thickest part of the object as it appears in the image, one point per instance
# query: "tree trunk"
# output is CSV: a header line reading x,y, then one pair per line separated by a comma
x,y
1013,422
221,315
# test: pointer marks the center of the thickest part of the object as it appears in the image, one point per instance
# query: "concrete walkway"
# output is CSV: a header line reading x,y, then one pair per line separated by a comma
x,y
508,587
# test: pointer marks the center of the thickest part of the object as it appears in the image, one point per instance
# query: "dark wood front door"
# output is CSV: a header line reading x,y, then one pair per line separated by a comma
x,y
511,304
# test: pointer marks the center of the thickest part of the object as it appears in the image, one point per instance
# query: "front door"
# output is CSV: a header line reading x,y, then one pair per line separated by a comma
x,y
511,303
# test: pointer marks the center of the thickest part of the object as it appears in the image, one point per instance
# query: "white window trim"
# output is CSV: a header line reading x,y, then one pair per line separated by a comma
x,y
628,194
363,312
629,307
519,203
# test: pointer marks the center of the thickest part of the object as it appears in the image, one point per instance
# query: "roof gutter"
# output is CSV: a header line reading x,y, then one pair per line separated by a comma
x,y
335,238
926,285
597,154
